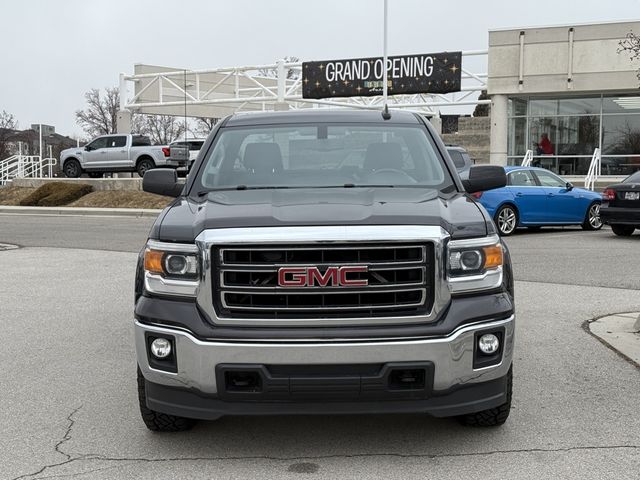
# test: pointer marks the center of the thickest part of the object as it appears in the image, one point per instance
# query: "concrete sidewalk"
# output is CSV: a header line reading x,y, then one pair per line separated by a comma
x,y
621,332
84,211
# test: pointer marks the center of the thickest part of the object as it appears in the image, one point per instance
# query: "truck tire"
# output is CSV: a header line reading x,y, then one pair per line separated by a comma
x,y
156,421
592,219
72,168
492,417
623,230
143,165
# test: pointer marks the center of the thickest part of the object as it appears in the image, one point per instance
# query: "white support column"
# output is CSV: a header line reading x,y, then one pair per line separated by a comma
x,y
123,91
123,118
123,121
498,149
281,104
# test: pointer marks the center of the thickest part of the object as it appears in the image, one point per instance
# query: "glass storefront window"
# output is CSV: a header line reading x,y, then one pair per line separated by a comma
x,y
564,132
621,104
517,107
621,134
543,107
564,135
517,142
620,165
579,106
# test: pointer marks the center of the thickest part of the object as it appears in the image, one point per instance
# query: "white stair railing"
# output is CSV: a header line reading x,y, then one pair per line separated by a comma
x,y
595,170
25,166
528,157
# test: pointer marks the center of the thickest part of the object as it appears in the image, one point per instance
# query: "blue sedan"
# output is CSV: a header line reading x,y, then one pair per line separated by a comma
x,y
535,197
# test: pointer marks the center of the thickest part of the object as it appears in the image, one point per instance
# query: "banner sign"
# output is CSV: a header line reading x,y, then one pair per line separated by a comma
x,y
362,77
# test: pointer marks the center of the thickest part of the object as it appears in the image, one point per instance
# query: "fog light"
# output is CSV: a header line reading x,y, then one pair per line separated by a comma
x,y
161,348
488,343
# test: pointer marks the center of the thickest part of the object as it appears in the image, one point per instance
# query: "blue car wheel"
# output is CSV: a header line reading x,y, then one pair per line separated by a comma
x,y
592,219
506,220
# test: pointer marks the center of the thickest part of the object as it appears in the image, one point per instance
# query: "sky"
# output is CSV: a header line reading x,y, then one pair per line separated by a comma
x,y
53,51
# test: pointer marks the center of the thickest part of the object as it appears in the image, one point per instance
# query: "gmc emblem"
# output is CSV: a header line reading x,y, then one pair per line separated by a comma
x,y
313,277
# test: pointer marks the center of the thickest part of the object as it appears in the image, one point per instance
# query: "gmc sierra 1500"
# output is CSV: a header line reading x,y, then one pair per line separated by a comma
x,y
323,262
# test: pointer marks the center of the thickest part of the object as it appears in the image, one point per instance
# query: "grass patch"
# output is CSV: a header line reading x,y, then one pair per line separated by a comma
x,y
122,199
13,195
56,194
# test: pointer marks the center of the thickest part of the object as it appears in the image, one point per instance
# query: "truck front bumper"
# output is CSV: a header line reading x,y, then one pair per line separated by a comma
x,y
451,375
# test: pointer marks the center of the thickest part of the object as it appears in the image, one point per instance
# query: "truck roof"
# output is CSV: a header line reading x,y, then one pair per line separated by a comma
x,y
320,115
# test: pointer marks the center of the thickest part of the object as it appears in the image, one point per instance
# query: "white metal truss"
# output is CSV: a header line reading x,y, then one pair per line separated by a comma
x,y
221,91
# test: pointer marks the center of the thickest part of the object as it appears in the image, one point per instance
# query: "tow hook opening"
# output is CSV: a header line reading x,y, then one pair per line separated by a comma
x,y
243,381
407,379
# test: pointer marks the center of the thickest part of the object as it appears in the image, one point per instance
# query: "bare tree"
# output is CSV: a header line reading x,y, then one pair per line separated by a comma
x,y
631,45
8,124
482,109
161,129
100,116
203,125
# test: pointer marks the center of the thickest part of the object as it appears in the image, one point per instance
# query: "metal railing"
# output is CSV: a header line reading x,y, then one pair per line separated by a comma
x,y
25,166
528,157
595,170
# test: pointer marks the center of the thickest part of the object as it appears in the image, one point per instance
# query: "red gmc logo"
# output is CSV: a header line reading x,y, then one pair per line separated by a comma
x,y
313,277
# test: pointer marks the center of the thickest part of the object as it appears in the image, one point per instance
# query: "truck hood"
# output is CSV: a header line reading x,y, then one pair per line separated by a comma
x,y
456,213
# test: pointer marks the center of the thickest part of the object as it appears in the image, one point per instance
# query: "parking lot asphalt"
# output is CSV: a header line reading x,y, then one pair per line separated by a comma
x,y
68,379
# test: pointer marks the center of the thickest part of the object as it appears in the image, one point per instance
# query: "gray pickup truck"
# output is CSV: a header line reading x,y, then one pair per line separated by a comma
x,y
115,153
286,278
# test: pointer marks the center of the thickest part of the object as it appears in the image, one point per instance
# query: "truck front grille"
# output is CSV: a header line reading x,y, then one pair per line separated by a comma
x,y
399,281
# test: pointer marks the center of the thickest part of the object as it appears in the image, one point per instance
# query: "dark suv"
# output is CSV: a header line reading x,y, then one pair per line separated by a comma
x,y
323,262
461,160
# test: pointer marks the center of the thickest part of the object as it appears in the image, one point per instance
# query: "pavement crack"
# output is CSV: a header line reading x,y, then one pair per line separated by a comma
x,y
365,455
58,448
67,434
130,460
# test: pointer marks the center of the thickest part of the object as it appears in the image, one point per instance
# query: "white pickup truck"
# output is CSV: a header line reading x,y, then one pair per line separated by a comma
x,y
115,153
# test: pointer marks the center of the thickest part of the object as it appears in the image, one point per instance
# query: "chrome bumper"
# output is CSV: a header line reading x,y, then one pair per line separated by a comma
x,y
451,355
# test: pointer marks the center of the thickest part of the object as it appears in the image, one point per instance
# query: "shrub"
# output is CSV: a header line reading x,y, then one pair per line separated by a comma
x,y
56,194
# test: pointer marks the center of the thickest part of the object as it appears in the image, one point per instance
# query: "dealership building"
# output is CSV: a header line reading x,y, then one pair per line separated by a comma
x,y
565,94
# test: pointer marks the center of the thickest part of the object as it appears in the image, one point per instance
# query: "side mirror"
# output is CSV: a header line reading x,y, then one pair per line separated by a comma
x,y
485,177
88,148
569,186
162,181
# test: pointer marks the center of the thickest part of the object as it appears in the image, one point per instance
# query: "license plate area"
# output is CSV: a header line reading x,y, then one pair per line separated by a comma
x,y
632,195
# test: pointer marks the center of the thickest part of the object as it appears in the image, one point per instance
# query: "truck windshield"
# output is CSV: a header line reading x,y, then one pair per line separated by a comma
x,y
323,155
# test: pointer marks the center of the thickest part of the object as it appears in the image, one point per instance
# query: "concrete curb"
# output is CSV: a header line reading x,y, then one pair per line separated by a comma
x,y
621,333
80,211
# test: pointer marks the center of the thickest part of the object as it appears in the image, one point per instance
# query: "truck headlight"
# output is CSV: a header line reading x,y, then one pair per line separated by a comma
x,y
475,264
171,268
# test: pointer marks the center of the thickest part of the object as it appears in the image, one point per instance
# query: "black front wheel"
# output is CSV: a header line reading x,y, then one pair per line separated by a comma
x,y
156,421
492,417
72,168
144,165
623,230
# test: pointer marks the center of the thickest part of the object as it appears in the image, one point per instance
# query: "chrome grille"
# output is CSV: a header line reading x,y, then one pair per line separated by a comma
x,y
399,276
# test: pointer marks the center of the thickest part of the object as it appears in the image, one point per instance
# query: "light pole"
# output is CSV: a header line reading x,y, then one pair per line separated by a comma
x,y
385,113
